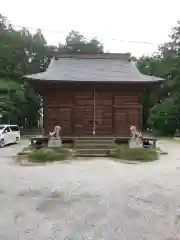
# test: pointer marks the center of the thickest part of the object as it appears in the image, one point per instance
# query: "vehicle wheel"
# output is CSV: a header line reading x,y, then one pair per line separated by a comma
x,y
1,143
17,140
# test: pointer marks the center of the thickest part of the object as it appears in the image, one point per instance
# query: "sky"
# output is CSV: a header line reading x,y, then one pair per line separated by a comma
x,y
111,21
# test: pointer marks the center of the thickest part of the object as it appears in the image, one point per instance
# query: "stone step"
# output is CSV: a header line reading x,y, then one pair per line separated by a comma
x,y
92,155
95,138
91,141
92,151
95,145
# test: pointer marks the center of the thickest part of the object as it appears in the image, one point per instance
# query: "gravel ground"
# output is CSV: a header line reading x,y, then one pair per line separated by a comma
x,y
93,199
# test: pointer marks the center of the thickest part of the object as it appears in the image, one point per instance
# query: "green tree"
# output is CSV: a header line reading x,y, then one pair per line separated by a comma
x,y
163,106
77,43
21,53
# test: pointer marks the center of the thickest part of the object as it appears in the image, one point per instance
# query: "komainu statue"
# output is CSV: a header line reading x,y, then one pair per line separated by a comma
x,y
54,138
136,138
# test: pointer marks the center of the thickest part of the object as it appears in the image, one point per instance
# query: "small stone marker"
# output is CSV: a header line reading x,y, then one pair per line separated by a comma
x,y
136,138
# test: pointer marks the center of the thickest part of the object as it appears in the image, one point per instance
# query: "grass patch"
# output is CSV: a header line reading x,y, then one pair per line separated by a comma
x,y
49,154
134,154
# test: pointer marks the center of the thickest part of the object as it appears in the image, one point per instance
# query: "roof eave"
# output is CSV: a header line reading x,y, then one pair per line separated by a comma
x,y
100,81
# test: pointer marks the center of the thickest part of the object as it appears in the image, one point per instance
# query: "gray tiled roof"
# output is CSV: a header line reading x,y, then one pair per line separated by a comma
x,y
94,68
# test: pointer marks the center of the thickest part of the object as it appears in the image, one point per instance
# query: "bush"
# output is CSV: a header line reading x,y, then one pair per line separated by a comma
x,y
164,117
134,154
49,155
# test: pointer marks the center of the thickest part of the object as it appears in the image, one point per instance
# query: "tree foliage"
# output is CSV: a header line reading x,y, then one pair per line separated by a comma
x,y
77,43
22,52
162,109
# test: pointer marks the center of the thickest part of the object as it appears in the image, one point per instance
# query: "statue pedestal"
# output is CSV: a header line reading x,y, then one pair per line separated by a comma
x,y
53,143
135,143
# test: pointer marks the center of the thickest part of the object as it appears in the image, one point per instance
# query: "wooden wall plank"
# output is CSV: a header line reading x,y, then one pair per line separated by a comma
x,y
72,108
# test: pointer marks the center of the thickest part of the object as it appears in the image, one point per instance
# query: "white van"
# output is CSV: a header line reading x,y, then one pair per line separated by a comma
x,y
9,134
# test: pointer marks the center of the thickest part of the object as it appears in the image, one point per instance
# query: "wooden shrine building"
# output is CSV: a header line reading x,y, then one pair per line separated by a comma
x,y
92,94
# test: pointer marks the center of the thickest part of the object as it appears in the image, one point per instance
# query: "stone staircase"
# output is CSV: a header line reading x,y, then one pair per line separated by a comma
x,y
94,146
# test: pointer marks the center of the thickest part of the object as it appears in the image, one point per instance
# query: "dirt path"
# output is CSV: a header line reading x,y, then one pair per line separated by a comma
x,y
98,199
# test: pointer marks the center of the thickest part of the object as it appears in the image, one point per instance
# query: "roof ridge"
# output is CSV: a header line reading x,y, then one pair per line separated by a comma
x,y
120,56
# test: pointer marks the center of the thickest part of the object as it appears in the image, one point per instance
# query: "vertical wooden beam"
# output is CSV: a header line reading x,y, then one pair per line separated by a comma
x,y
45,114
94,111
141,110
